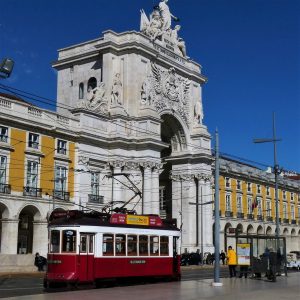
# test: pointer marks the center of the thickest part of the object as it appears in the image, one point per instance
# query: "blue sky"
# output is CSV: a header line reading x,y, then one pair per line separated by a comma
x,y
249,50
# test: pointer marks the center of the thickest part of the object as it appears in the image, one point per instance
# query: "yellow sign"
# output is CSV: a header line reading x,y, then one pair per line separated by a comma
x,y
137,220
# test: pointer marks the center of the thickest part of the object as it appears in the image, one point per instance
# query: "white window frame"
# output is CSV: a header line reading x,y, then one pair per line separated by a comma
x,y
227,183
268,191
4,138
32,141
239,203
4,159
28,180
249,187
238,185
249,205
292,211
292,196
258,187
228,202
284,195
268,208
259,206
58,147
58,183
285,214
95,184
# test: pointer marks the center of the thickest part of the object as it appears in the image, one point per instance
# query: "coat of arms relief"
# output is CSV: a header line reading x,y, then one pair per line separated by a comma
x,y
164,89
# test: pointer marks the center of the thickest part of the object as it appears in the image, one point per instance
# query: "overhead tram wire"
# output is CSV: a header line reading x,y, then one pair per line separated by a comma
x,y
135,128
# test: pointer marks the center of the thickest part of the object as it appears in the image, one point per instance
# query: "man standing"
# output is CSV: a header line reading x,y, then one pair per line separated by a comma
x,y
222,257
231,261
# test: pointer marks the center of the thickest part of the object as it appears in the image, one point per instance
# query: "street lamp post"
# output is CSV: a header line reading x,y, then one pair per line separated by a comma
x,y
276,170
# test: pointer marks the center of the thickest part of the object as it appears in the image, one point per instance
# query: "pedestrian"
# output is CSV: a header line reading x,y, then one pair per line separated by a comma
x,y
208,258
223,257
39,261
243,271
231,261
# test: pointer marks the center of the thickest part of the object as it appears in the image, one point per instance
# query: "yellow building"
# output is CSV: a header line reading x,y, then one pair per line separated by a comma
x,y
247,203
37,154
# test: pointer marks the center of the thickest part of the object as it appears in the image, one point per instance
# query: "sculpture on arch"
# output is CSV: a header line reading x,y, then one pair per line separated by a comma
x,y
95,99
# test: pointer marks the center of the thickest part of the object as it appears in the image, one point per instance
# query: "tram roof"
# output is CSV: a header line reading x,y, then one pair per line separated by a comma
x,y
76,217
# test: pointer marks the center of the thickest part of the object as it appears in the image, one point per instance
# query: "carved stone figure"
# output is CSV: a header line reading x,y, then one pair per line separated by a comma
x,y
166,15
179,42
153,27
116,90
198,113
95,99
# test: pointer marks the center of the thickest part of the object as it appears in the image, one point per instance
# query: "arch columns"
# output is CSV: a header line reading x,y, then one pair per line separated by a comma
x,y
155,190
40,237
9,238
147,189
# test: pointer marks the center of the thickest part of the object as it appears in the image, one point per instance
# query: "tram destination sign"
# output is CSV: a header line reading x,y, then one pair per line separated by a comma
x,y
136,220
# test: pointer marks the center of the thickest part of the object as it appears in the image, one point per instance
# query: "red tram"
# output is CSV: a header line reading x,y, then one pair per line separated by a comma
x,y
92,247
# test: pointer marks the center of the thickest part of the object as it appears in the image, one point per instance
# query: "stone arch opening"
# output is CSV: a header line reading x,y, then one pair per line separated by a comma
x,y
285,231
172,133
3,214
260,230
25,228
240,229
250,229
269,230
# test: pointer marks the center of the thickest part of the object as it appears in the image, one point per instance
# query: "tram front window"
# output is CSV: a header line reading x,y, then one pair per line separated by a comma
x,y
69,241
55,241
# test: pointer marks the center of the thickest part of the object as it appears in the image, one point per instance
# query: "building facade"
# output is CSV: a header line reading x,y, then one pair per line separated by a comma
x,y
247,203
128,132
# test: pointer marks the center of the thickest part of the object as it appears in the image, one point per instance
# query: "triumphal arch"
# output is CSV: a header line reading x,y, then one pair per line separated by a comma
x,y
137,97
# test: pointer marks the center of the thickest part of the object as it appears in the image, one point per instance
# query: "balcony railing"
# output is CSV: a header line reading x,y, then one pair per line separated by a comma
x,y
32,191
61,195
228,214
250,216
270,219
260,217
286,221
5,188
294,222
96,199
240,215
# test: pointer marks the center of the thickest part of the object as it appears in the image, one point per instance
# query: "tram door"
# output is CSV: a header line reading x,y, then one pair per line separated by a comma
x,y
86,257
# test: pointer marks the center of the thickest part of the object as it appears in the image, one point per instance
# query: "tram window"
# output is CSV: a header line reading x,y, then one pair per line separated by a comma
x,y
164,245
108,244
120,244
69,241
83,239
131,245
91,244
143,245
55,241
154,243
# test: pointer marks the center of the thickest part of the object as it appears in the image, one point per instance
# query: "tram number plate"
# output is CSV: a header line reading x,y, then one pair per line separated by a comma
x,y
139,261
54,262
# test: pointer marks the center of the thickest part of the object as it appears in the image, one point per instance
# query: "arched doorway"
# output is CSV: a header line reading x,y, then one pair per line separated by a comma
x,y
269,230
3,214
260,230
172,134
25,229
250,229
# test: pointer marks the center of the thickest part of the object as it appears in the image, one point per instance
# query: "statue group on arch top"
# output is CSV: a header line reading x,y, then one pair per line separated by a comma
x,y
158,27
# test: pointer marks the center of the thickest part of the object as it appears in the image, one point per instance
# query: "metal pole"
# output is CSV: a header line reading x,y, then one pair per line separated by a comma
x,y
217,217
276,178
